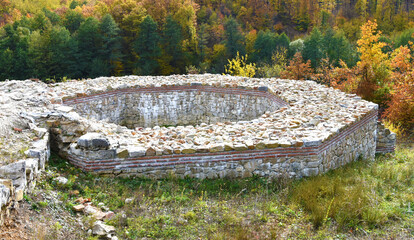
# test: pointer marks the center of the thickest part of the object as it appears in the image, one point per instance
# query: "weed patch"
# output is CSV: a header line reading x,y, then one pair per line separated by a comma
x,y
362,194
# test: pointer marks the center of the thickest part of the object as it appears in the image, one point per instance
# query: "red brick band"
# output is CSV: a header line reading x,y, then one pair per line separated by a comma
x,y
118,164
385,149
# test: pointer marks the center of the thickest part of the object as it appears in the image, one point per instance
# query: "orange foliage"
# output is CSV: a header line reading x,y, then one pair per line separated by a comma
x,y
298,69
324,74
61,11
88,11
4,6
400,62
401,106
342,77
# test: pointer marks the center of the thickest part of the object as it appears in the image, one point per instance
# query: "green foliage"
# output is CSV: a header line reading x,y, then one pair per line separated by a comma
x,y
34,6
89,42
40,22
218,58
404,38
173,57
313,48
110,54
264,46
282,41
14,43
276,67
336,47
38,53
267,44
73,4
72,20
53,17
296,46
147,47
62,48
234,38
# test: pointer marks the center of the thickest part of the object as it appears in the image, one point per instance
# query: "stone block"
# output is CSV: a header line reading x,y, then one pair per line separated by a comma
x,y
263,88
272,144
228,146
5,193
93,141
64,109
18,195
240,147
16,172
150,151
101,229
188,150
311,142
313,164
216,148
261,145
122,153
136,151
307,172
40,132
285,143
78,208
100,154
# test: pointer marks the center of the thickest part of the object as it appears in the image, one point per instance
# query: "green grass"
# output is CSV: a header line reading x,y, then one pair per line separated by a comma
x,y
364,194
365,198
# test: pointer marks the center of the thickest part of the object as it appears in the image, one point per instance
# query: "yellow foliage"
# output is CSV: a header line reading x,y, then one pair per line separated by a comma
x,y
370,47
238,67
394,127
374,66
34,6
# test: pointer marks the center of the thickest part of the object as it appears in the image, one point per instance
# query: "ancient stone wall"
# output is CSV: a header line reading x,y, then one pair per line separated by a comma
x,y
235,127
172,106
20,177
386,140
357,140
302,133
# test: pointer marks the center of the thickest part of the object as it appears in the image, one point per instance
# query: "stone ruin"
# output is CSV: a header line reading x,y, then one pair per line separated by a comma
x,y
202,126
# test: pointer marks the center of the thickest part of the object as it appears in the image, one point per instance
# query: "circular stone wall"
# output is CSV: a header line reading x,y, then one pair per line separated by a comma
x,y
306,129
315,129
172,106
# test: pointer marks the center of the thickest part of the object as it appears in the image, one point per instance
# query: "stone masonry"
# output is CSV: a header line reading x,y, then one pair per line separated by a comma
x,y
172,106
386,139
203,126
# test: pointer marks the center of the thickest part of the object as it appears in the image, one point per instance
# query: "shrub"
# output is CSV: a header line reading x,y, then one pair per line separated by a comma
x,y
279,61
401,105
298,69
238,67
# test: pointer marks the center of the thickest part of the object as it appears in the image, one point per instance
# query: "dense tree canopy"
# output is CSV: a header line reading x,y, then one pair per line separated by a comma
x,y
101,37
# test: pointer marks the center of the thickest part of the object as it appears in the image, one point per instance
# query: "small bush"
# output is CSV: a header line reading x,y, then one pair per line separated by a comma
x,y
239,67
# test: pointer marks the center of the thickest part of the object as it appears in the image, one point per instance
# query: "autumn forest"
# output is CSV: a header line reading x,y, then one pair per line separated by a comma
x,y
358,46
